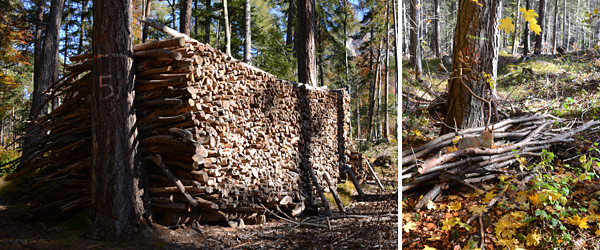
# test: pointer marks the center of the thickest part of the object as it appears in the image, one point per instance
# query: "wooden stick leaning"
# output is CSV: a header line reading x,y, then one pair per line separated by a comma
x,y
158,160
349,171
375,176
334,192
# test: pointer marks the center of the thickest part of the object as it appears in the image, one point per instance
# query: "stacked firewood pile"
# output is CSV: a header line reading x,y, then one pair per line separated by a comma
x,y
220,139
358,165
440,163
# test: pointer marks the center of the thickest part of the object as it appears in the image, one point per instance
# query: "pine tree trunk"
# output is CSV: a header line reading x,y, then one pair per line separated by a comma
x,y
378,113
385,131
248,33
396,48
196,21
567,29
66,42
185,18
554,27
345,25
207,22
576,27
116,184
526,32
414,30
81,30
147,14
415,37
372,90
173,7
39,28
541,17
290,23
45,68
517,18
406,30
48,58
306,54
319,53
227,29
436,28
464,110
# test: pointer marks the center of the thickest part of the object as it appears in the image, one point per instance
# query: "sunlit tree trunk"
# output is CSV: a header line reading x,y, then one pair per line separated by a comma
x,y
415,37
306,46
372,91
517,21
227,29
436,28
118,203
471,59
566,29
526,34
385,131
248,33
185,18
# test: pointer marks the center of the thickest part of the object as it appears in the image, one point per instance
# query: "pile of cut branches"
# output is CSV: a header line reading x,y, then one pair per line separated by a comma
x,y
440,164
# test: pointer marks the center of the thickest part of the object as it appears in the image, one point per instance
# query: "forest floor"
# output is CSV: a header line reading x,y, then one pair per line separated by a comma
x,y
369,223
558,206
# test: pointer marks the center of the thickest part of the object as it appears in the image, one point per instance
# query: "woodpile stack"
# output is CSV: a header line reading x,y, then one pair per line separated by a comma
x,y
219,137
358,165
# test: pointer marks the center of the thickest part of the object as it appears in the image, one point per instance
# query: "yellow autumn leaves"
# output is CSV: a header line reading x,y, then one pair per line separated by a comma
x,y
529,15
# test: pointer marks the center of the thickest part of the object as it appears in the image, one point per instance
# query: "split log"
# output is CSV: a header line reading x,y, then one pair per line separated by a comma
x,y
158,53
171,42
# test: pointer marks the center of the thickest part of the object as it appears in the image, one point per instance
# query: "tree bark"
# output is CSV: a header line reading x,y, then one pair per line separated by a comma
x,y
248,33
541,17
372,91
565,24
117,178
554,27
414,28
576,27
196,21
81,30
436,28
290,23
173,7
526,31
65,51
415,37
185,19
207,22
146,15
515,36
48,59
227,29
385,131
44,69
471,59
406,30
345,25
39,28
307,63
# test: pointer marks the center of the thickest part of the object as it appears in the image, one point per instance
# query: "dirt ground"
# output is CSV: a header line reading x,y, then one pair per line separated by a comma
x,y
370,223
